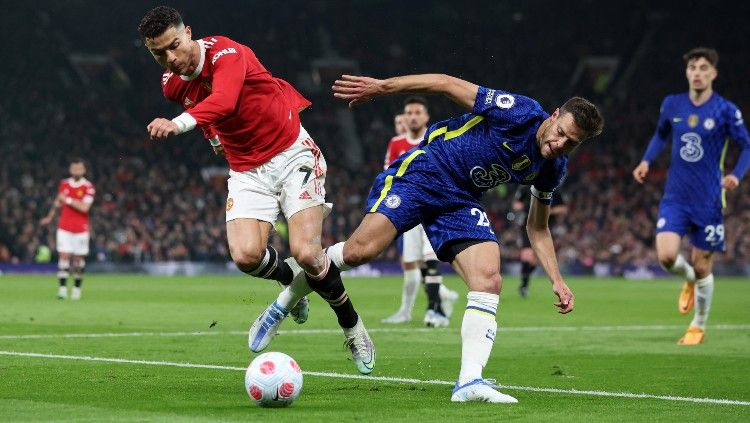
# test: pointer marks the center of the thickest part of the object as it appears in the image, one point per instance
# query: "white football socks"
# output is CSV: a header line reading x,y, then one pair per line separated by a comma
x,y
477,334
682,268
412,278
336,253
704,292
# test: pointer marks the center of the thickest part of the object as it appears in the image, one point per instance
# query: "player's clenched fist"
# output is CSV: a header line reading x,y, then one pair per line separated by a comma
x,y
161,128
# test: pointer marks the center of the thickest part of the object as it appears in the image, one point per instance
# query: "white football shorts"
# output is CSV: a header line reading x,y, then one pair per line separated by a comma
x,y
291,181
73,243
416,246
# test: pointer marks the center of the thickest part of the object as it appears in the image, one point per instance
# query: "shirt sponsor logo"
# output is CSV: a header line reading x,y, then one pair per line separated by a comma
x,y
692,151
392,201
483,178
505,101
488,97
229,50
693,121
709,124
520,163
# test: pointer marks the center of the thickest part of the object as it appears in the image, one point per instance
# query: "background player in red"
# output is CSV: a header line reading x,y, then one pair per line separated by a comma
x,y
74,196
418,259
274,167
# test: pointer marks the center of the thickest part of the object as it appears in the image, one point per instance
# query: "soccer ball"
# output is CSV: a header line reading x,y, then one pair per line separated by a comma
x,y
273,379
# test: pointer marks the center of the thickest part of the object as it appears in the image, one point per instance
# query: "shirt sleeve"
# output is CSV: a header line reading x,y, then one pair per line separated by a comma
x,y
738,131
503,107
661,135
551,176
229,70
88,197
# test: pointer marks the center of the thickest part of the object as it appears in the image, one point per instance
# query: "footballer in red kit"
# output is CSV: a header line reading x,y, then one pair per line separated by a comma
x,y
418,259
74,198
252,118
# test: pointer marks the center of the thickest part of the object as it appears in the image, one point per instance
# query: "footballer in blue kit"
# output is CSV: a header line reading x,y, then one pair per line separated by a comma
x,y
698,124
505,138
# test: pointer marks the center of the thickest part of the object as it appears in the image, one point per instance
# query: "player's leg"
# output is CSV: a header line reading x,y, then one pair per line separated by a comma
x,y
369,240
248,246
440,299
64,251
79,266
528,264
672,225
706,239
478,264
704,291
81,250
411,256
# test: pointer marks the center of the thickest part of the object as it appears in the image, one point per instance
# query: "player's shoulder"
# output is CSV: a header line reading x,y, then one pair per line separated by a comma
x,y
675,99
724,103
397,139
217,46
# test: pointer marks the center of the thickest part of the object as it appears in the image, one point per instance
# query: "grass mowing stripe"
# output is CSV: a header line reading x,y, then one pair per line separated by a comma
x,y
622,328
386,379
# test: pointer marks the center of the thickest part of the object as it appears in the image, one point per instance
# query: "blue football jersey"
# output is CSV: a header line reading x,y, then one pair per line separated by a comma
x,y
495,144
699,136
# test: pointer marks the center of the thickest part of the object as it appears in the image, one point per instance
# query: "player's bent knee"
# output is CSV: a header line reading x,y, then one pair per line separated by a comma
x,y
309,257
246,258
666,260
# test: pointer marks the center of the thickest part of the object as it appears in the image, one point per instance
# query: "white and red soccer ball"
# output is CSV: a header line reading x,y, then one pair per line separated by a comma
x,y
273,379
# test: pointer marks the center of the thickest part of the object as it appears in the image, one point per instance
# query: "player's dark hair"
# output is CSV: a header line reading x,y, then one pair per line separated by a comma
x,y
158,20
705,52
76,160
585,115
415,99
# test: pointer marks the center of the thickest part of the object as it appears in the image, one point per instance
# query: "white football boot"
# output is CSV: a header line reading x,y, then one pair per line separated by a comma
x,y
75,293
361,346
397,318
265,327
480,390
433,319
62,292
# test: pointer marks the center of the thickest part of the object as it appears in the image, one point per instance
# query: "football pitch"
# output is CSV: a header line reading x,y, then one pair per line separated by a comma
x,y
139,348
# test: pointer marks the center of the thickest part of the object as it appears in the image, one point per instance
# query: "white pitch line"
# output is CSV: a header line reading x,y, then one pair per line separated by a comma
x,y
387,379
622,328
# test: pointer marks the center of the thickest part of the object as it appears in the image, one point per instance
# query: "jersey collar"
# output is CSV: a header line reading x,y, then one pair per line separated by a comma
x,y
199,68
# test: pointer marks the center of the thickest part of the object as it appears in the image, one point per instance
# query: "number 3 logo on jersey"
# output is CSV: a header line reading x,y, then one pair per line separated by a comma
x,y
692,151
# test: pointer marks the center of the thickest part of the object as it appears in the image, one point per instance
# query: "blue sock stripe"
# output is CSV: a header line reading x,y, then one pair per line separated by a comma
x,y
483,310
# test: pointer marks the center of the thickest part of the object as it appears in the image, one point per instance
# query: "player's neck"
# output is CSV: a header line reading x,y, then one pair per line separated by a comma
x,y
698,97
416,135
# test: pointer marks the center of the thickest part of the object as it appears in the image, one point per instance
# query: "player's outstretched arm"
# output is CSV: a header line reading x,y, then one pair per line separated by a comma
x,y
361,89
541,241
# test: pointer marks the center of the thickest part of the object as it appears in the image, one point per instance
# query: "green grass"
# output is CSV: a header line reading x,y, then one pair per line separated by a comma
x,y
555,355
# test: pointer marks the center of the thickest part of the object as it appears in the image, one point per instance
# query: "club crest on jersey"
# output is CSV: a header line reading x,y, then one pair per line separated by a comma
x,y
207,85
692,151
709,124
187,102
693,121
505,101
483,178
230,203
392,201
520,163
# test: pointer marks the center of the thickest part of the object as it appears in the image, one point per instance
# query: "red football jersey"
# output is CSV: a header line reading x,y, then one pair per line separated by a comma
x,y
232,95
399,145
73,220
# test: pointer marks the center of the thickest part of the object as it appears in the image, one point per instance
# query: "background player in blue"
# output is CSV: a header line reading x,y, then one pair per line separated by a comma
x,y
699,124
505,138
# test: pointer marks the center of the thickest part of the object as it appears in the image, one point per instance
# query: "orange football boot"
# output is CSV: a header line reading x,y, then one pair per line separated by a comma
x,y
693,336
687,298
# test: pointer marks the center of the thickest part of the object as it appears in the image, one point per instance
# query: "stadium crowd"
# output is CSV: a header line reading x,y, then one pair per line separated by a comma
x,y
165,201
